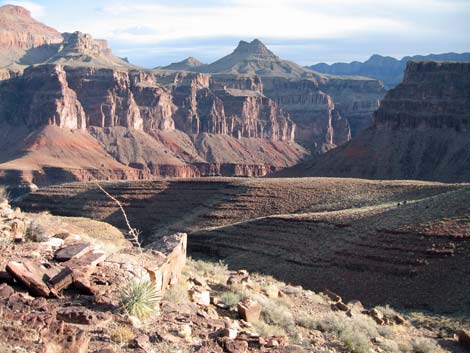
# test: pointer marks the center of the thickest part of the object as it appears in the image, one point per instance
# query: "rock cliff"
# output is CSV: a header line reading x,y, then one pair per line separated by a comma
x,y
182,125
421,131
18,30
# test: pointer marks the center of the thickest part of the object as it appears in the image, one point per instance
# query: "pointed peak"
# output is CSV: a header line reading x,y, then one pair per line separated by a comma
x,y
254,47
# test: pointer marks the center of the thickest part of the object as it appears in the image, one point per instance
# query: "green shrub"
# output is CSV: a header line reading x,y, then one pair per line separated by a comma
x,y
232,298
140,298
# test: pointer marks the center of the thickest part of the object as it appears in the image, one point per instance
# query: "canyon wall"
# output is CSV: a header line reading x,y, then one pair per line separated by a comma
x,y
421,131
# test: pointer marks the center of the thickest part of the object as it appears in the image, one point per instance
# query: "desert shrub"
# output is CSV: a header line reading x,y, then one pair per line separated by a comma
x,y
178,292
271,290
121,335
267,330
390,346
4,195
355,340
424,345
216,271
140,298
276,313
36,232
232,298
306,321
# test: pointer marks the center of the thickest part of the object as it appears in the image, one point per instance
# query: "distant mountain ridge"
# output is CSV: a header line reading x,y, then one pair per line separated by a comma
x,y
186,64
384,68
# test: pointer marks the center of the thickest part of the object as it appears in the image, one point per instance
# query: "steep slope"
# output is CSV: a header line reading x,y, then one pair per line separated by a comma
x,y
356,237
384,68
186,64
421,131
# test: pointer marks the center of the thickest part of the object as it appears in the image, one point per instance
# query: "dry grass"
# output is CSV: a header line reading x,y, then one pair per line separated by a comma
x,y
36,232
4,195
121,335
178,292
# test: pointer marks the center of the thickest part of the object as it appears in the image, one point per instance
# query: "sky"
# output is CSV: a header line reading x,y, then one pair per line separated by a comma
x,y
156,33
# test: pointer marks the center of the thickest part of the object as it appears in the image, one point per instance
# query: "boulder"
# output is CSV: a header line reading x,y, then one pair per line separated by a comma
x,y
249,310
463,337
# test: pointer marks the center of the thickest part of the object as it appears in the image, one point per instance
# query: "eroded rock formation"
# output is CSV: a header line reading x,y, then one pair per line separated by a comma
x,y
421,131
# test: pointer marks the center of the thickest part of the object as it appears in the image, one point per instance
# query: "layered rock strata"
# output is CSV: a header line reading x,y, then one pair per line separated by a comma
x,y
421,131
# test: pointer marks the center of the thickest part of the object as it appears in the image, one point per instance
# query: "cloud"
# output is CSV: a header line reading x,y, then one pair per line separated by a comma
x,y
241,18
36,10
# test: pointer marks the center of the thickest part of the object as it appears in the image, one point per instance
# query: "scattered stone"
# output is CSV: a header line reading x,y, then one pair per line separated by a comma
x,y
398,319
235,346
53,242
83,316
5,291
142,342
249,310
74,251
30,275
200,296
339,306
463,337
134,321
61,281
241,277
185,331
332,295
377,316
231,329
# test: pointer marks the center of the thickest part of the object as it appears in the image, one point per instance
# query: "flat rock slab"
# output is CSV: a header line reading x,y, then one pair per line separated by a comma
x,y
30,275
74,251
87,263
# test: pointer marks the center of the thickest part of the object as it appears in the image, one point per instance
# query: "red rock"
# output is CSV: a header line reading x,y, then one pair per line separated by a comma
x,y
249,310
30,275
235,346
83,316
74,251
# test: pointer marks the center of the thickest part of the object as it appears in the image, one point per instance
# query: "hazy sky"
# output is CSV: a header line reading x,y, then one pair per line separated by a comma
x,y
152,33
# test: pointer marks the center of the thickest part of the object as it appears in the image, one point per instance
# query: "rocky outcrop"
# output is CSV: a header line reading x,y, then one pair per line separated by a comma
x,y
41,97
182,125
356,100
227,105
421,131
18,30
433,95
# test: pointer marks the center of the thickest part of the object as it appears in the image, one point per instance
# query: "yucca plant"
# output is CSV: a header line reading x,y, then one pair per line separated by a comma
x,y
140,298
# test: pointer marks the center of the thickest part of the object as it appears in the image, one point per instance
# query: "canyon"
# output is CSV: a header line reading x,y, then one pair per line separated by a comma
x,y
420,131
185,120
